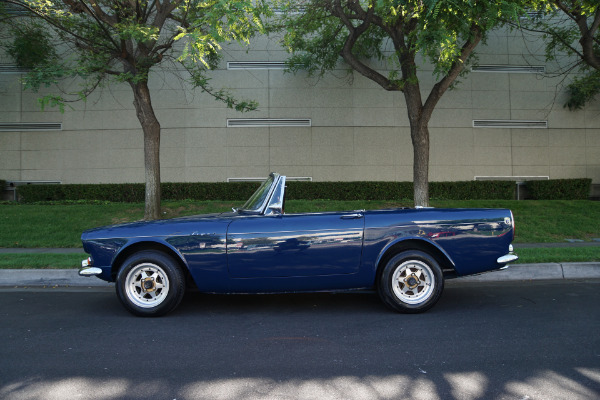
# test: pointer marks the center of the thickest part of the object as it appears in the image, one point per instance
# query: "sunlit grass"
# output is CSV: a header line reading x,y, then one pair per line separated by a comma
x,y
558,255
40,261
60,225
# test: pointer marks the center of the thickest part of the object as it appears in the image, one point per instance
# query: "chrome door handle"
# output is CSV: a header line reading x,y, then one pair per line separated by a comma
x,y
352,216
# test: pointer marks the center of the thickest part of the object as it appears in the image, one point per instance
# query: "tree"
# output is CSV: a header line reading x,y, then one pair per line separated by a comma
x,y
121,41
442,32
571,27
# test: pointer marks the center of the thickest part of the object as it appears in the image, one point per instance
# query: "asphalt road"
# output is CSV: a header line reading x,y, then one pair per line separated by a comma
x,y
501,340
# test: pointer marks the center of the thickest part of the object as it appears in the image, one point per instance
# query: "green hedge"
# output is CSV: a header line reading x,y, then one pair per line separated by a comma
x,y
134,192
559,189
475,190
297,190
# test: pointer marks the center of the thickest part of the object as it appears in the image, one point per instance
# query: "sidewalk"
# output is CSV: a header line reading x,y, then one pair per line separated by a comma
x,y
519,272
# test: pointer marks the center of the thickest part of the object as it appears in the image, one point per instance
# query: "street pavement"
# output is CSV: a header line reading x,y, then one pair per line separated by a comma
x,y
515,340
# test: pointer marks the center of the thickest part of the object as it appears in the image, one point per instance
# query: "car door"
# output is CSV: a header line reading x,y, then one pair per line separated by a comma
x,y
295,245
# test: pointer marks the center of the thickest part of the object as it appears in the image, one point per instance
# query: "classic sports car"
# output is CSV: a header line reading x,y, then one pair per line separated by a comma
x,y
405,254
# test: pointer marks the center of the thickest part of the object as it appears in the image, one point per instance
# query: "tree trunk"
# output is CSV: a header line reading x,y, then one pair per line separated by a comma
x,y
419,116
151,128
419,134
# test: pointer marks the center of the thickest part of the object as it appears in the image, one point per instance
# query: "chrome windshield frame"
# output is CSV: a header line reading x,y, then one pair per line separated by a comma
x,y
266,193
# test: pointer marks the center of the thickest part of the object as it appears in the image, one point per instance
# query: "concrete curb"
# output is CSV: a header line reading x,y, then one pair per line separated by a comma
x,y
520,272
48,277
525,272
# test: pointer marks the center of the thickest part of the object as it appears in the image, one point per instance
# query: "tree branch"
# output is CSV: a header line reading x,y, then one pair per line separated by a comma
x,y
457,67
351,39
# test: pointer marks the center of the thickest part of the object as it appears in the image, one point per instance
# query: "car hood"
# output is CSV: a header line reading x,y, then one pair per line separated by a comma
x,y
196,224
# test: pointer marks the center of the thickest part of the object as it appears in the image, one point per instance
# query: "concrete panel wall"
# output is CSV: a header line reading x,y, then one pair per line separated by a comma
x,y
358,132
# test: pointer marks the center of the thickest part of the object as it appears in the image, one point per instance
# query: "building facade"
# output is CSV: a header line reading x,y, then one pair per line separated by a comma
x,y
505,119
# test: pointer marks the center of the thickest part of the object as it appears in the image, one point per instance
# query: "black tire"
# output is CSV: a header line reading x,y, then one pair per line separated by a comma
x,y
150,284
411,282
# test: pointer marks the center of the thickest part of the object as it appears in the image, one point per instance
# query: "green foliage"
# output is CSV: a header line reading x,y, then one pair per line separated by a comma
x,y
100,42
387,41
434,28
348,190
473,190
134,192
240,191
31,47
583,89
570,28
559,189
399,190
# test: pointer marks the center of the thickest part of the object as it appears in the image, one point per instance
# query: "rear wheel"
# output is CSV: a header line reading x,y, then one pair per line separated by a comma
x,y
150,284
411,282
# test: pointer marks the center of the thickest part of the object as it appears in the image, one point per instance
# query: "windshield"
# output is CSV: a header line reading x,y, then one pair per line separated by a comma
x,y
255,201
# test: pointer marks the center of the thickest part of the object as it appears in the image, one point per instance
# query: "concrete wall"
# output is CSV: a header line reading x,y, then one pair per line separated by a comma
x,y
358,132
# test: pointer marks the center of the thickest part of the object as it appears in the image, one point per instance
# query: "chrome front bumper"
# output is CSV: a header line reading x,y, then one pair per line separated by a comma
x,y
507,258
87,269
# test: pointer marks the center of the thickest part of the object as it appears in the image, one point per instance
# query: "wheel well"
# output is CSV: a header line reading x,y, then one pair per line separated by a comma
x,y
141,246
406,245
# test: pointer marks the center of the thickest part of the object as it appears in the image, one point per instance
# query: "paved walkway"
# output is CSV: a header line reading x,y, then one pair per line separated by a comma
x,y
519,272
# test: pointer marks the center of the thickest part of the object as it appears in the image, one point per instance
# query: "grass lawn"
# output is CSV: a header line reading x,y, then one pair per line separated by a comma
x,y
41,261
558,255
60,225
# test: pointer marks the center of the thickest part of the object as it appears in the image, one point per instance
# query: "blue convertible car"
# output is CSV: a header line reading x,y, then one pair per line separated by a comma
x,y
405,254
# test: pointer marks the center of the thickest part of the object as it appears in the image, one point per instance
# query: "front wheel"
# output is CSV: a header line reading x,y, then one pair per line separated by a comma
x,y
150,284
411,282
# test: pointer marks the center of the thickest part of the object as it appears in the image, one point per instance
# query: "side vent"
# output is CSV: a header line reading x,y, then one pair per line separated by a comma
x,y
506,123
30,126
12,69
235,65
268,122
511,69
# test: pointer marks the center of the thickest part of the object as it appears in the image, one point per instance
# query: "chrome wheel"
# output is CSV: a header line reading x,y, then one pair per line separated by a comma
x,y
413,282
150,283
147,285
